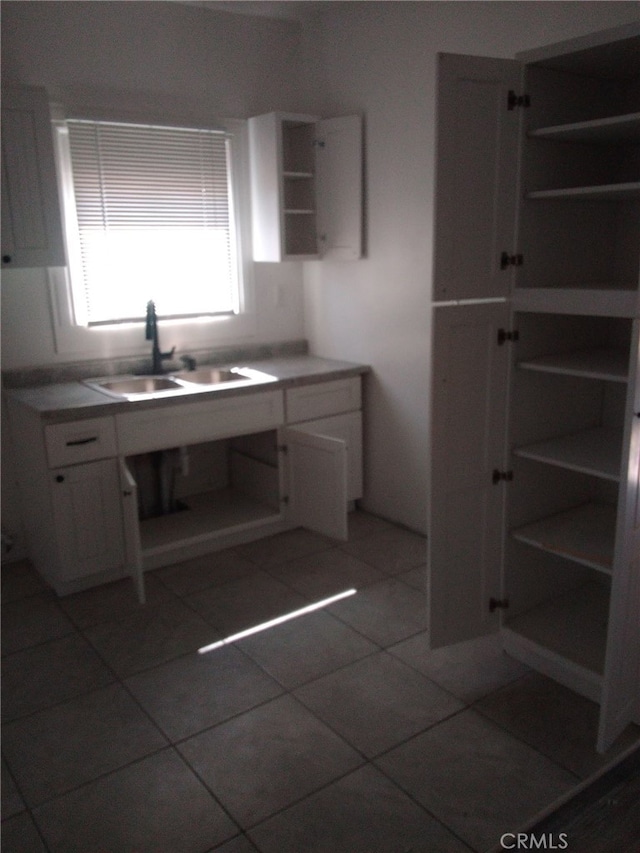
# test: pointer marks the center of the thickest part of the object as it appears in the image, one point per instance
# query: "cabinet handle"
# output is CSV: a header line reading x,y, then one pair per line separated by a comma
x,y
77,441
60,478
6,259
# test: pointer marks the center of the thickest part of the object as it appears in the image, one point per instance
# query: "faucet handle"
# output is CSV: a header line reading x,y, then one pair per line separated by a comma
x,y
167,355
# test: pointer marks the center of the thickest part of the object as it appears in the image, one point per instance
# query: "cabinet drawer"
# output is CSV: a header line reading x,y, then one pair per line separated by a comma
x,y
192,423
322,399
80,441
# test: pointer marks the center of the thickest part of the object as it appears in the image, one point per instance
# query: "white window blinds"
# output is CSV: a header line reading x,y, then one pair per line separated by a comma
x,y
154,221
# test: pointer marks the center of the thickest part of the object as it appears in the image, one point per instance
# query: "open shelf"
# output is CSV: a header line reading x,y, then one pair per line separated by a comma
x,y
592,451
584,534
621,128
601,192
206,515
565,637
607,364
597,299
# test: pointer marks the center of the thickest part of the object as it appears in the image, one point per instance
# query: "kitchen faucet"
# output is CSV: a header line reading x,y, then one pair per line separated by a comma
x,y
151,334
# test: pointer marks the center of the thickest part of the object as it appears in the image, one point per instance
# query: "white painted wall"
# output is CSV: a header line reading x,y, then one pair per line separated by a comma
x,y
161,57
379,58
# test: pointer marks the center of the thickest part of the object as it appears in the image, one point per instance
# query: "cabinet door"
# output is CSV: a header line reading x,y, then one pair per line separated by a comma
x,y
88,518
339,187
317,482
31,223
477,175
621,686
468,423
348,428
131,529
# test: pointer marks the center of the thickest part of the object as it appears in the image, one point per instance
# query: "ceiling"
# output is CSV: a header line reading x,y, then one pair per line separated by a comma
x,y
293,10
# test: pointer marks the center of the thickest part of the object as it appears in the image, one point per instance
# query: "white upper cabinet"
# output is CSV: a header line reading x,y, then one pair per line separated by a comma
x,y
306,187
477,177
31,222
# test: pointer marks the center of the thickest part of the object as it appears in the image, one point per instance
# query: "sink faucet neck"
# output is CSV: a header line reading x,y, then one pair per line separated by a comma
x,y
151,334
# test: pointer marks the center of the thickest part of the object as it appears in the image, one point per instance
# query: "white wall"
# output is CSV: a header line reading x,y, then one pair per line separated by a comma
x,y
379,58
156,56
373,58
161,57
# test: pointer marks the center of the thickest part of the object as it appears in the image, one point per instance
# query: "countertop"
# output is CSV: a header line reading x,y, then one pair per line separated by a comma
x,y
74,400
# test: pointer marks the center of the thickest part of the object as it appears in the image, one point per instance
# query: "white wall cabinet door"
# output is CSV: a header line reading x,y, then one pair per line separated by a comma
x,y
88,518
317,482
31,222
339,188
477,177
469,396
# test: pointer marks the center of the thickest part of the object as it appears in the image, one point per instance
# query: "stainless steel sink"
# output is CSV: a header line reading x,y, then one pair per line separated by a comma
x,y
136,387
216,375
139,385
176,384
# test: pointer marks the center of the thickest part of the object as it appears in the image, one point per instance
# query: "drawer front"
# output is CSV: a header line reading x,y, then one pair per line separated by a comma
x,y
322,399
80,441
193,423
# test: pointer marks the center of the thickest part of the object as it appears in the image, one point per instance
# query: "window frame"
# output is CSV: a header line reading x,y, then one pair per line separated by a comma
x,y
186,334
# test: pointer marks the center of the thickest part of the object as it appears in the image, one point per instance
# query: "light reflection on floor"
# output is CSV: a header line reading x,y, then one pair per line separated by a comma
x,y
286,617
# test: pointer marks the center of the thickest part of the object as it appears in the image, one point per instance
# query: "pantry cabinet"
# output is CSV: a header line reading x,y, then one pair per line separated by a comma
x,y
306,187
535,436
31,221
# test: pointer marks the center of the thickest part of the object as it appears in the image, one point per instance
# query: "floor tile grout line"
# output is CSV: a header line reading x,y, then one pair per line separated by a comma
x,y
513,734
105,775
423,807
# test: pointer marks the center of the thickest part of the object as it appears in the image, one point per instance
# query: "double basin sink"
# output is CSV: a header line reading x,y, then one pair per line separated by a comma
x,y
177,384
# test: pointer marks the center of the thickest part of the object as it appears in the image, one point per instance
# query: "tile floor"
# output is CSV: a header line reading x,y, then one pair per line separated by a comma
x,y
336,732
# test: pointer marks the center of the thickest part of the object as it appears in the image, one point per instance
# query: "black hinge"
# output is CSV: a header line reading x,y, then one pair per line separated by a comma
x,y
282,448
507,260
504,336
284,499
499,476
514,100
498,604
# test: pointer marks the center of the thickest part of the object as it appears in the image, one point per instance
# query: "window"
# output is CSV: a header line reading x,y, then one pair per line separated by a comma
x,y
151,212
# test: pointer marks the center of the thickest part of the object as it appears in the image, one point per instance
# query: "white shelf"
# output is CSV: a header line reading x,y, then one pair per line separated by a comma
x,y
592,451
208,515
609,365
620,128
572,626
584,534
602,192
587,300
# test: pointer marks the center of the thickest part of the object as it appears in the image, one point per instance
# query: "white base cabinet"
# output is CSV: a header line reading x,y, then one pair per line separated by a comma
x,y
110,496
535,440
88,519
